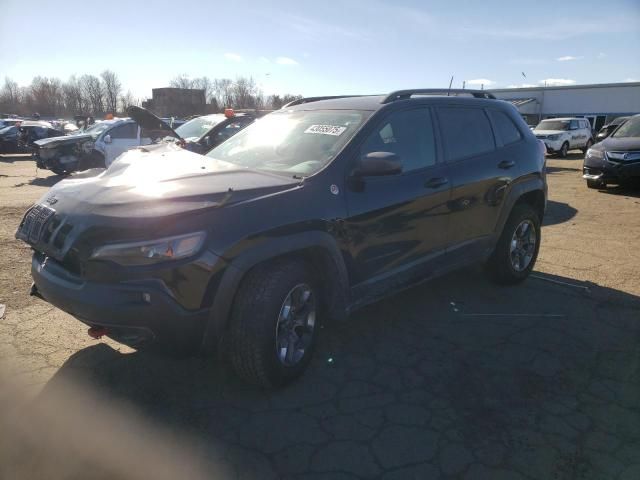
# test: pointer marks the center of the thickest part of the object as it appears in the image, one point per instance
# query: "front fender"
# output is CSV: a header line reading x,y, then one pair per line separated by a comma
x,y
265,251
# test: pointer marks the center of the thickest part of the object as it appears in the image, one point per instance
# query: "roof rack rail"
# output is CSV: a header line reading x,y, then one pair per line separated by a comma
x,y
300,101
404,94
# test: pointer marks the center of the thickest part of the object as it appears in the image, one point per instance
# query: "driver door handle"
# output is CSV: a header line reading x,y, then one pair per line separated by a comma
x,y
505,164
436,182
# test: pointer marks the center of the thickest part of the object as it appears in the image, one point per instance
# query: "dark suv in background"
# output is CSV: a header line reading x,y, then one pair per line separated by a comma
x,y
307,214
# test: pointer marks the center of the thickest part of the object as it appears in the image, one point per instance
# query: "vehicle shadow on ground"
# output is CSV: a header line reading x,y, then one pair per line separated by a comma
x,y
510,377
625,191
551,169
47,181
558,212
12,158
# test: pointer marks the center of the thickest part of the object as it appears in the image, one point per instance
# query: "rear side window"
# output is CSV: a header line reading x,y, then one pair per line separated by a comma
x,y
505,128
465,132
408,134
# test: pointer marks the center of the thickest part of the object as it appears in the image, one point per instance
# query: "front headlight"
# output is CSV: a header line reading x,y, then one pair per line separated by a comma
x,y
554,137
152,251
595,153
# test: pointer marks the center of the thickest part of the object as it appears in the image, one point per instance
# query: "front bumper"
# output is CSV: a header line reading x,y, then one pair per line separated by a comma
x,y
610,172
132,312
553,146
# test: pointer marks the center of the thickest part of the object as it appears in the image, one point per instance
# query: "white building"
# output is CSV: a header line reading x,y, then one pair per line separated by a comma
x,y
599,103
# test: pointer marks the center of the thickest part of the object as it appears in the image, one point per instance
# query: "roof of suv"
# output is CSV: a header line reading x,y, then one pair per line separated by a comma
x,y
375,102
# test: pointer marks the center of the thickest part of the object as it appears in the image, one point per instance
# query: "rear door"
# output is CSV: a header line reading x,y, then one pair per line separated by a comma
x,y
397,222
481,167
123,137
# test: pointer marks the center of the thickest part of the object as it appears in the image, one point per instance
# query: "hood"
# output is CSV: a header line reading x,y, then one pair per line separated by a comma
x,y
160,180
549,132
55,142
149,121
613,144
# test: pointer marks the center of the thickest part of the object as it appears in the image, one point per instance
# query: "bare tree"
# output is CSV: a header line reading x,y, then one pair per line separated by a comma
x,y
181,81
45,96
223,92
10,95
76,103
128,100
92,87
112,89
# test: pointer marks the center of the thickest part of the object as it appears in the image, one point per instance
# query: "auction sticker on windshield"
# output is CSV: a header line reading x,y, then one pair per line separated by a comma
x,y
326,130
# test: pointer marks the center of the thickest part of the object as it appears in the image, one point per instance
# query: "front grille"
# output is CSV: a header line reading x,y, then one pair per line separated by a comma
x,y
624,157
541,137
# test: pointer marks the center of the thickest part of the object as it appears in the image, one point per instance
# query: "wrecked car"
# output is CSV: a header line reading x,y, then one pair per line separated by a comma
x,y
199,134
203,133
20,137
96,147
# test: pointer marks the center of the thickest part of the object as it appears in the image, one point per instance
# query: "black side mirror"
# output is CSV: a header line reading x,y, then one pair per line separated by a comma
x,y
376,164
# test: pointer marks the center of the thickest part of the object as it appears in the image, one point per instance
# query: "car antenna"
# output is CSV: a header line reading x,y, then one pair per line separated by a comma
x,y
450,82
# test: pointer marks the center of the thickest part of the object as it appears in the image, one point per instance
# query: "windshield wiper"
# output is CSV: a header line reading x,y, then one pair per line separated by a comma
x,y
299,177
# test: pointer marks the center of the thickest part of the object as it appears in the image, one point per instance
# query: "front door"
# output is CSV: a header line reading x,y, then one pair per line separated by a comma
x,y
123,137
397,222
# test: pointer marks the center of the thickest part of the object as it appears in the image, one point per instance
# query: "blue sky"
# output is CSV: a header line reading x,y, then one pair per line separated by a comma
x,y
314,48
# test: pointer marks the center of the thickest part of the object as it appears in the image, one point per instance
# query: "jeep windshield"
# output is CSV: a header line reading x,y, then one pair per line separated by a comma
x,y
199,126
297,143
553,125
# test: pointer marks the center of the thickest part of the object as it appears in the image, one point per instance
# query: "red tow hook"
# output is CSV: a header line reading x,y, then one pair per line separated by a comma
x,y
97,332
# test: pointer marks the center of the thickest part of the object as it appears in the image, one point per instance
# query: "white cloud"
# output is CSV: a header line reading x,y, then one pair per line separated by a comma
x,y
567,58
234,57
481,81
264,60
631,80
286,61
601,55
557,82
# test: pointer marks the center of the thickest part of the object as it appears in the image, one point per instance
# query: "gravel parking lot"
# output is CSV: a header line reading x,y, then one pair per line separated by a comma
x,y
457,378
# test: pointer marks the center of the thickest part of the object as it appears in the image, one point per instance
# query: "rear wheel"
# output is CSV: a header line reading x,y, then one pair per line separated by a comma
x,y
564,149
274,323
517,248
587,146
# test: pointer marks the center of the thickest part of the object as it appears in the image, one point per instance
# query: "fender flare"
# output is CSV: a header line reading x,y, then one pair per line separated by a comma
x,y
517,191
267,250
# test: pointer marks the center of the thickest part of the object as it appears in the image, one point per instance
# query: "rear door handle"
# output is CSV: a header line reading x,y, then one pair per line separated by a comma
x,y
436,182
506,164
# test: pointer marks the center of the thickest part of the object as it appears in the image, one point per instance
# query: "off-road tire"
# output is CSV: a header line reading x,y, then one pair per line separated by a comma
x,y
254,317
499,266
564,150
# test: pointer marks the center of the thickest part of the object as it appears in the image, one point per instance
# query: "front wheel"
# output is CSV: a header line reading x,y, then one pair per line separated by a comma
x,y
517,248
564,150
274,323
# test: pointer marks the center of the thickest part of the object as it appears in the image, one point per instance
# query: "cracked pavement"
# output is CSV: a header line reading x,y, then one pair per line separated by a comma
x,y
456,379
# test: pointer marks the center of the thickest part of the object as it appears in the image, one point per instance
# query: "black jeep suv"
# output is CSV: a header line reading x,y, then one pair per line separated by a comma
x,y
305,215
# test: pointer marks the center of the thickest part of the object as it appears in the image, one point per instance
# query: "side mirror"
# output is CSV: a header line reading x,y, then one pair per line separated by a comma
x,y
107,139
377,164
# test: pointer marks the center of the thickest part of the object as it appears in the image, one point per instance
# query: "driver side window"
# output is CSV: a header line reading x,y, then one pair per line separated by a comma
x,y
408,134
573,125
128,131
